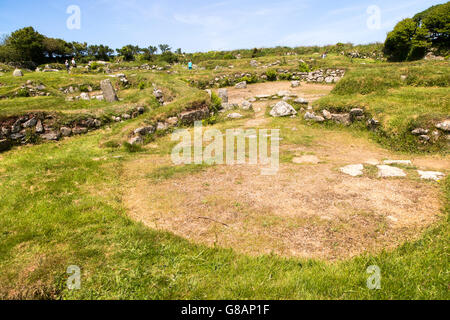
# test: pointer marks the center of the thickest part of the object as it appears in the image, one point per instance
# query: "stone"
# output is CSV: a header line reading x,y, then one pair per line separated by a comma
x,y
283,94
16,127
262,96
431,175
424,138
373,124
136,140
223,94
306,159
385,171
229,106
158,94
30,123
301,101
79,130
356,112
343,118
4,145
252,99
353,170
17,136
39,127
444,126
141,110
254,63
326,114
108,91
189,117
420,131
209,92
100,97
66,132
126,116
311,116
18,73
162,126
51,136
97,123
400,162
295,84
329,79
84,96
173,121
143,131
235,116
241,85
282,109
246,105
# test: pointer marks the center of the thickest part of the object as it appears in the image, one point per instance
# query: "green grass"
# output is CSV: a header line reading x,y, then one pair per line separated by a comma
x,y
73,215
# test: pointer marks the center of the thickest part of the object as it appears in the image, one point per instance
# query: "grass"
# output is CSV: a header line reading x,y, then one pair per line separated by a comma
x,y
73,215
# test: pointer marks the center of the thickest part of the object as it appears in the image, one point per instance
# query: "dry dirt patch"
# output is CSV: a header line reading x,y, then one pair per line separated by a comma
x,y
303,211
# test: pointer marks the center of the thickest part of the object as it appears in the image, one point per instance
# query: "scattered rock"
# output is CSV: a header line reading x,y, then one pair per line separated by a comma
x,y
241,85
353,170
301,101
162,126
254,63
39,127
143,131
373,124
444,126
311,116
431,175
295,84
136,140
326,114
18,73
246,105
84,96
30,123
189,117
235,116
420,131
223,94
66,132
79,130
306,159
343,118
388,171
401,162
51,136
282,109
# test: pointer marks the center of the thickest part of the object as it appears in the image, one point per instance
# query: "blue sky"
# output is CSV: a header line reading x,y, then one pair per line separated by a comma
x,y
197,25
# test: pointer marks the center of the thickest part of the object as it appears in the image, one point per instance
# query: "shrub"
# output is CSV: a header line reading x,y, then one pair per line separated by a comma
x,y
285,76
141,85
271,75
216,102
303,67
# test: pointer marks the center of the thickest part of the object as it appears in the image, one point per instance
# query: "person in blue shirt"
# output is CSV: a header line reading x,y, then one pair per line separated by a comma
x,y
190,65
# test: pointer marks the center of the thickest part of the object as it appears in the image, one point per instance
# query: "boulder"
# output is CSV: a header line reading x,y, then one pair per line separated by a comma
x,y
344,118
223,94
235,116
295,84
51,136
189,117
241,85
85,96
326,114
108,91
310,116
353,170
65,131
444,126
420,131
79,130
254,63
136,140
246,105
143,131
30,123
162,126
18,73
282,109
39,127
431,175
385,171
301,101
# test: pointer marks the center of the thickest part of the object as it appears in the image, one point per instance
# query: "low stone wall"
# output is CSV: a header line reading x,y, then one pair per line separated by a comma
x,y
34,128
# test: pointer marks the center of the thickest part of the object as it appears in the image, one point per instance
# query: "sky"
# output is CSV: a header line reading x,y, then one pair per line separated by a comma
x,y
196,25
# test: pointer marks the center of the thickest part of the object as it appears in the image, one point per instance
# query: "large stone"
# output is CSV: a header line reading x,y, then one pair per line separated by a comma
x,y
326,114
444,126
301,101
246,105
189,117
65,131
143,131
420,131
30,123
353,170
85,96
282,109
295,84
311,116
79,130
136,140
4,145
344,118
108,91
241,85
235,116
18,73
388,171
431,175
51,136
39,127
223,94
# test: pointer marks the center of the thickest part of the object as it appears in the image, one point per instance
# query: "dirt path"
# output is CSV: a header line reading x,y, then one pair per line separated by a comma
x,y
306,210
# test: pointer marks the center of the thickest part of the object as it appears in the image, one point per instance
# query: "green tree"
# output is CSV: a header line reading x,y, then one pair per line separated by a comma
x,y
28,45
129,52
164,48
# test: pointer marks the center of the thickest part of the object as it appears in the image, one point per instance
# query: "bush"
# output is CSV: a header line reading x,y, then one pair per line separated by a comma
x,y
303,67
285,76
271,75
216,102
141,85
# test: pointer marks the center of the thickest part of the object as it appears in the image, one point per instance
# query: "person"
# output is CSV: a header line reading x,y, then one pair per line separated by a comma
x,y
67,65
74,64
190,65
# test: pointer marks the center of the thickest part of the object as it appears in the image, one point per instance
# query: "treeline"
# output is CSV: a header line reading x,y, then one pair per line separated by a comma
x,y
28,47
413,37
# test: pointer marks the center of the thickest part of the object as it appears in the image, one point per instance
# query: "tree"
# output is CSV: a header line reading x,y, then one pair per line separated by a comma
x,y
411,38
128,52
100,52
152,50
54,48
28,44
164,48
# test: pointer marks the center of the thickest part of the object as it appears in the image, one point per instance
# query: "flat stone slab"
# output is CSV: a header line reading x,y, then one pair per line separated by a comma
x,y
431,175
385,171
353,170
306,159
402,162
